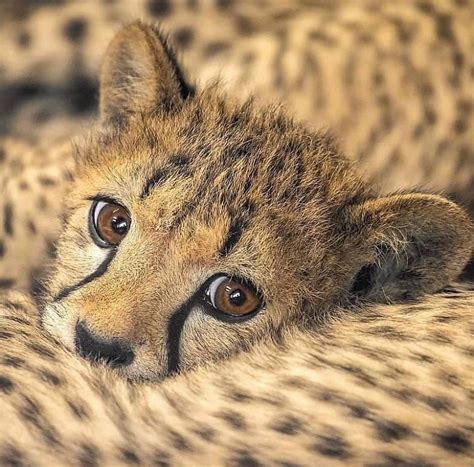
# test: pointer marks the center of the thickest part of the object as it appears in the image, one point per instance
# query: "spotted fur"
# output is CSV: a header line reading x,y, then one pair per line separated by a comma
x,y
388,385
393,81
216,187
219,186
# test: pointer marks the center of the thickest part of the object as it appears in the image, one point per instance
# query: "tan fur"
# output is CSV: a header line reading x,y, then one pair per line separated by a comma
x,y
320,376
394,81
388,385
307,224
33,182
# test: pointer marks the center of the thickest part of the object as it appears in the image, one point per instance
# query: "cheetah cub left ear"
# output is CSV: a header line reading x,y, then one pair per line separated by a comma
x,y
140,74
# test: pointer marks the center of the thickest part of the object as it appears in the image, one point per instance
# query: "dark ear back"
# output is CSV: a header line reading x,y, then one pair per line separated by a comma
x,y
407,245
139,74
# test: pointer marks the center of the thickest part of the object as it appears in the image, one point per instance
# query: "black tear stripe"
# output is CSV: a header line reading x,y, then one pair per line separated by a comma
x,y
97,273
175,329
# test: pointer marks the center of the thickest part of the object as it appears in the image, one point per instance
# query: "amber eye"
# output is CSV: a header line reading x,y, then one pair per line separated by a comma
x,y
110,223
232,296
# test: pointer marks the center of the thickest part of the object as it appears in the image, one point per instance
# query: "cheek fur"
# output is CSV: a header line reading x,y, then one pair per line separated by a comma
x,y
59,321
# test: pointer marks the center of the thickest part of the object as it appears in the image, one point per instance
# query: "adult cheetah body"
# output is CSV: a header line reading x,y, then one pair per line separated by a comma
x,y
387,385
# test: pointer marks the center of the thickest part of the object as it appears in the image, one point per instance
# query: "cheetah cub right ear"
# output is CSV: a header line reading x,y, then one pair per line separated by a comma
x,y
140,74
409,244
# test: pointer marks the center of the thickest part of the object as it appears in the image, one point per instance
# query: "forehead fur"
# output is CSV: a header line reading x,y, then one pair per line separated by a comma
x,y
227,154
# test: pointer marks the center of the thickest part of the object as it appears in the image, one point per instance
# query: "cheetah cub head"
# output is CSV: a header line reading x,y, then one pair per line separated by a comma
x,y
197,226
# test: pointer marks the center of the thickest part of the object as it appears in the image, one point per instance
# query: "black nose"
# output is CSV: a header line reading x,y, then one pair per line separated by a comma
x,y
114,352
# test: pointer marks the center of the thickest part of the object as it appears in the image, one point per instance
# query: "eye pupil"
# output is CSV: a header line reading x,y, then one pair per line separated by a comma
x,y
120,225
237,298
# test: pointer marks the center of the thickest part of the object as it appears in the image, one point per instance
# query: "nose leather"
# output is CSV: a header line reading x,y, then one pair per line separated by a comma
x,y
114,352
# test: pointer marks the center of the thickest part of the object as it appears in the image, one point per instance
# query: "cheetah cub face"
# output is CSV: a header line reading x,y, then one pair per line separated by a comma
x,y
196,226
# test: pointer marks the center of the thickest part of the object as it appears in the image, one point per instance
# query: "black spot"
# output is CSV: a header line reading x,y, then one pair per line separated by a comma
x,y
404,31
13,361
213,48
224,3
6,385
323,37
5,335
289,425
159,7
358,411
244,459
75,29
89,455
460,125
238,396
425,7
2,154
206,433
78,409
42,203
2,248
248,58
360,374
161,459
444,28
16,319
245,25
183,37
440,404
430,116
10,456
389,332
8,219
391,460
41,350
37,287
6,283
453,440
82,94
43,115
180,442
418,131
24,39
389,431
51,249
31,227
129,456
46,181
332,446
50,378
234,419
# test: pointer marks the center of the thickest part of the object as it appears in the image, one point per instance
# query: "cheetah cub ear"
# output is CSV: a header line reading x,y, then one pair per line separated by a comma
x,y
140,74
410,244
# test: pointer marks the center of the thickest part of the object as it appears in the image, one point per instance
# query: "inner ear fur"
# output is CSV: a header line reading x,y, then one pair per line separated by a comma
x,y
407,245
140,73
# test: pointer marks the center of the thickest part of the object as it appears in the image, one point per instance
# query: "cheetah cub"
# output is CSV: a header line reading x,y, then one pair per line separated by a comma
x,y
197,227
